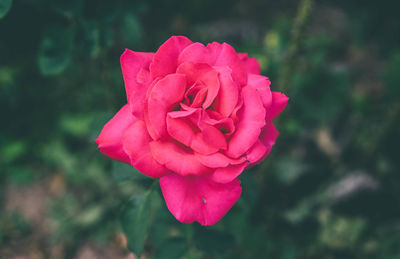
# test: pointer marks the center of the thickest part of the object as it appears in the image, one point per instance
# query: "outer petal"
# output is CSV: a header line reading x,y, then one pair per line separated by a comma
x,y
261,149
215,54
256,152
165,59
200,199
137,99
136,145
250,64
269,134
177,159
228,174
167,92
279,101
110,138
131,63
261,84
251,120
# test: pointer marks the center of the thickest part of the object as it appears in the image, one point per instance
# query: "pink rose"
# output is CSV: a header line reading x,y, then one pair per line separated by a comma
x,y
196,117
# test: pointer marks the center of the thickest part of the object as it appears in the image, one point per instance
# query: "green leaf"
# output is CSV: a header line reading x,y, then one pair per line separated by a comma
x,y
135,220
55,50
5,6
123,172
173,248
213,241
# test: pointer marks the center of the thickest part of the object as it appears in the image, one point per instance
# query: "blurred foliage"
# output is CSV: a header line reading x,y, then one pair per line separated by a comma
x,y
329,189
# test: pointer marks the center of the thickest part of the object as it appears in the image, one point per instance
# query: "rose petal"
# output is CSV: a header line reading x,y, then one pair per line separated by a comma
x,y
182,131
165,59
177,159
218,160
225,125
269,134
228,174
261,84
279,101
228,95
164,95
110,138
136,145
256,152
251,118
131,63
203,73
213,137
236,110
227,56
261,149
137,99
250,64
215,54
194,198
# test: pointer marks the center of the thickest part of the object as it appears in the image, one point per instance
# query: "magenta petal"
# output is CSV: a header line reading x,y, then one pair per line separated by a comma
x,y
251,118
250,64
269,134
279,101
228,95
215,54
137,98
131,63
261,84
166,58
228,174
197,53
217,160
182,126
203,73
136,145
200,199
227,56
263,146
166,93
213,137
177,159
256,152
110,138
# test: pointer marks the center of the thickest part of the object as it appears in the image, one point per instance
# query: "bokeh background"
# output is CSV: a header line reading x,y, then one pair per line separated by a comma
x,y
329,189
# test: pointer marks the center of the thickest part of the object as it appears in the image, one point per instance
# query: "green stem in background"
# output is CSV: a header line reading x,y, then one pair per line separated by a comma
x,y
303,12
189,239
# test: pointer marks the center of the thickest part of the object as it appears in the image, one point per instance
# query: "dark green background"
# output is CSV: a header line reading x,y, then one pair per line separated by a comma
x,y
329,189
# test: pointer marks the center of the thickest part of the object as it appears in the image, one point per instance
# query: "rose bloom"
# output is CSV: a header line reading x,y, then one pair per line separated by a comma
x,y
196,117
